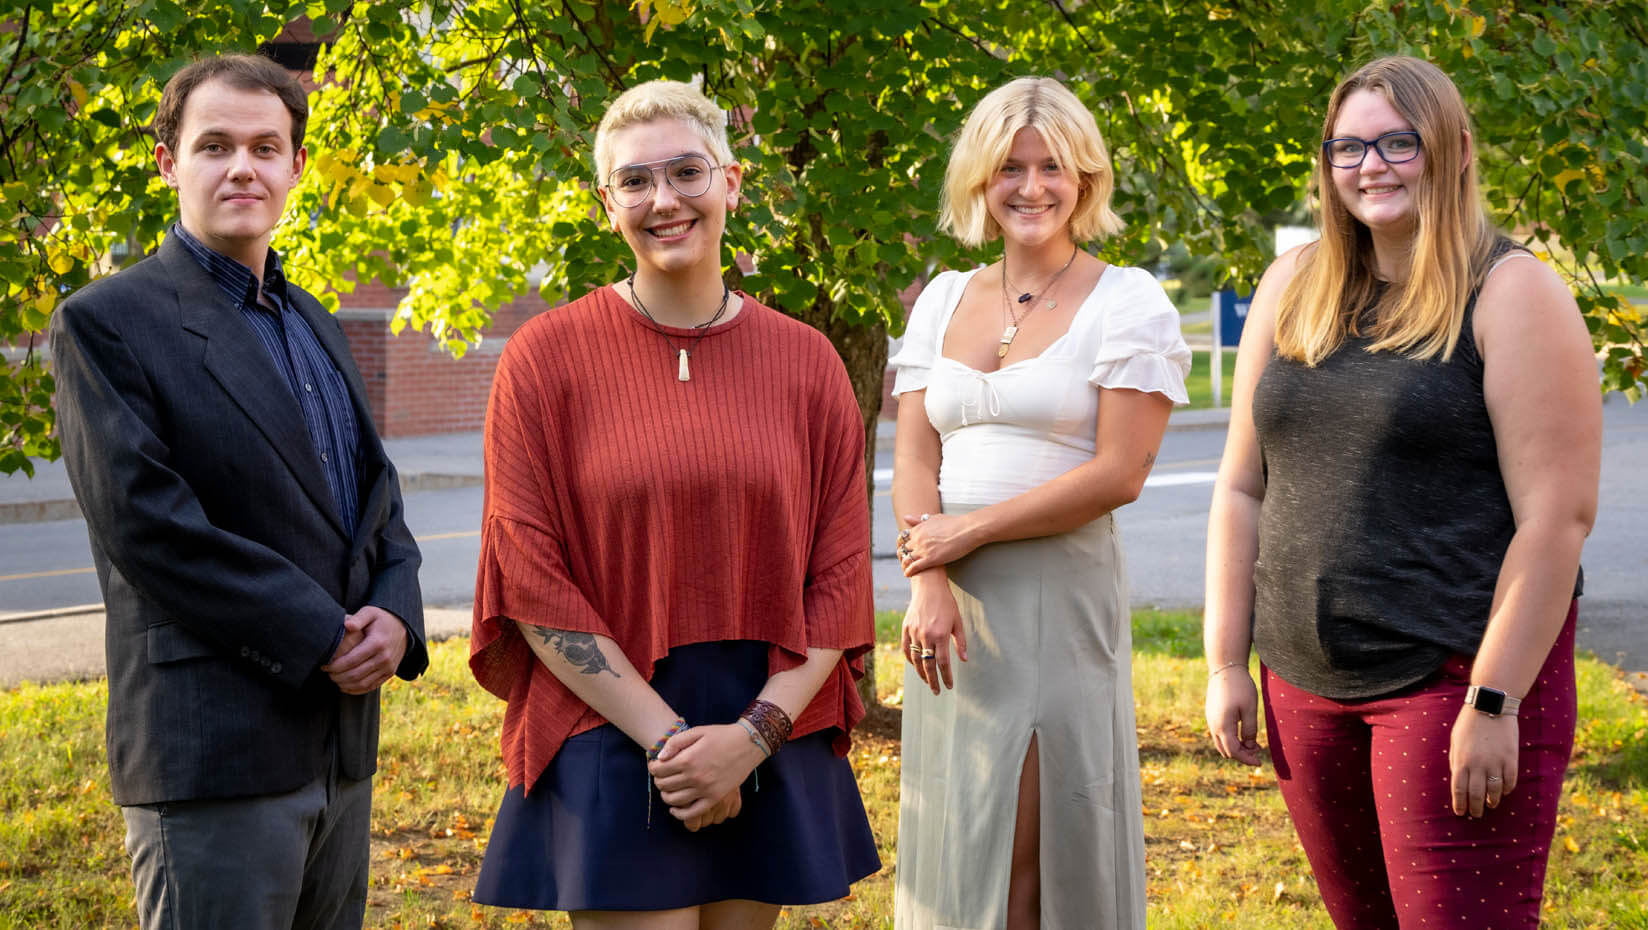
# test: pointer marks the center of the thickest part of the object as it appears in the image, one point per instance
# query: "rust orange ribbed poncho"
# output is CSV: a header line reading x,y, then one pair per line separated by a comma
x,y
623,502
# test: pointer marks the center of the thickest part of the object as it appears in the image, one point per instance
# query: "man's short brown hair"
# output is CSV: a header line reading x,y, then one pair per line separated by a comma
x,y
242,72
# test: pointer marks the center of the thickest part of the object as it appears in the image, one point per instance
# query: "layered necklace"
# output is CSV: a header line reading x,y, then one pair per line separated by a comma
x,y
682,372
1008,302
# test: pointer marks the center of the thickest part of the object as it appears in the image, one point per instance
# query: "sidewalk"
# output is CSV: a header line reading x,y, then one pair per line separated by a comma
x,y
425,463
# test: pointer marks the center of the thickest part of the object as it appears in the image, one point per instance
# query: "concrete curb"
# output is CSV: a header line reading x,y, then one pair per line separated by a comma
x,y
51,613
85,662
46,511
39,511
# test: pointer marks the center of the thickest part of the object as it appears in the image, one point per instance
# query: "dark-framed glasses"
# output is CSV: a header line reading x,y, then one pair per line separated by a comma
x,y
687,175
1394,147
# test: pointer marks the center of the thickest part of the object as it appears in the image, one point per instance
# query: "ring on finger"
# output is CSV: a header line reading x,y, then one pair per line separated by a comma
x,y
1494,779
929,653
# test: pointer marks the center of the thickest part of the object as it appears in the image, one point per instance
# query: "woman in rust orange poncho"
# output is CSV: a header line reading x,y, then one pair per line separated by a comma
x,y
674,587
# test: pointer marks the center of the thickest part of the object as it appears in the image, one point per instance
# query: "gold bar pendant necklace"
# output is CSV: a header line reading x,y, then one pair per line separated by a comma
x,y
1007,301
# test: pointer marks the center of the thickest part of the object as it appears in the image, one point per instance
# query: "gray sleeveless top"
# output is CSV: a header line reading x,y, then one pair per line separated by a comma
x,y
1385,518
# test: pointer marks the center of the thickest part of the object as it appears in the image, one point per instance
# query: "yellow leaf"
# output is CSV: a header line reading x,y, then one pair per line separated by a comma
x,y
1569,844
1478,25
78,91
673,12
60,262
1572,174
45,301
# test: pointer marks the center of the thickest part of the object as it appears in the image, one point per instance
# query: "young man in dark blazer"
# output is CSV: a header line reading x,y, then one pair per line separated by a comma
x,y
259,579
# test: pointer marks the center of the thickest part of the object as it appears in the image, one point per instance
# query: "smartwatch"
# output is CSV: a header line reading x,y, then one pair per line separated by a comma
x,y
1491,701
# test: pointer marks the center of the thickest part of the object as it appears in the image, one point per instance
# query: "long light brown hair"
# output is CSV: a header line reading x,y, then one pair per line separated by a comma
x,y
1422,312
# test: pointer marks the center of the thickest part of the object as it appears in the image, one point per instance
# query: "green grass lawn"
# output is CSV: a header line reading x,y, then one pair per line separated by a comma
x,y
1636,292
1199,383
1220,851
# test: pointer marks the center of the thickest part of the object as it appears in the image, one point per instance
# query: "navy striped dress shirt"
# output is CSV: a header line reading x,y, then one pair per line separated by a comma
x,y
316,384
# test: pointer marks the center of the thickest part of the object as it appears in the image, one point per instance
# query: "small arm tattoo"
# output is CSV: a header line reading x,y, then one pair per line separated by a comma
x,y
1149,459
579,649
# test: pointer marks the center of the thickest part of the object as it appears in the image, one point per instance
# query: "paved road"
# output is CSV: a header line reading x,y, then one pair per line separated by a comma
x,y
47,565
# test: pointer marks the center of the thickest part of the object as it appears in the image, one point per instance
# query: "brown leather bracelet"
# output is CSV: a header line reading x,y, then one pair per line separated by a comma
x,y
770,721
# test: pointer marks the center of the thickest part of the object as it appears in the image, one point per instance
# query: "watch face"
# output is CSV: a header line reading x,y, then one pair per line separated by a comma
x,y
1489,701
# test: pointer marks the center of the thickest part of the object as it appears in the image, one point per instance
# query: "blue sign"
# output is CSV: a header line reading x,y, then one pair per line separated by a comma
x,y
1232,313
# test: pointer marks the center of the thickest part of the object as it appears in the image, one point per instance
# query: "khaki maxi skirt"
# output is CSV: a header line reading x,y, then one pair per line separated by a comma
x,y
1049,649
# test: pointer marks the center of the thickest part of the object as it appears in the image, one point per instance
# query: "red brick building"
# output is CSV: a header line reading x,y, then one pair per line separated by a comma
x,y
414,386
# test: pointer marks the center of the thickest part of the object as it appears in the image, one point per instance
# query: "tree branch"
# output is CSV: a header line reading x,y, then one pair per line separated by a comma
x,y
971,40
594,47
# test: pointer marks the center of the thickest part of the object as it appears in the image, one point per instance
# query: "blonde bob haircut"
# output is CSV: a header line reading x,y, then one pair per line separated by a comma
x,y
656,100
1422,312
1071,134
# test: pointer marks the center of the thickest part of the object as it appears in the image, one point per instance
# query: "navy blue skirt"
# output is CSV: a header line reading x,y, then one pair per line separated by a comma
x,y
581,840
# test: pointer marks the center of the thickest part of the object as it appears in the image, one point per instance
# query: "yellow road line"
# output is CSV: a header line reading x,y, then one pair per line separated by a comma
x,y
51,574
461,534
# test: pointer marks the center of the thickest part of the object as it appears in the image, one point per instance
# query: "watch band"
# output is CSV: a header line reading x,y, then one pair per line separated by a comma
x,y
1491,701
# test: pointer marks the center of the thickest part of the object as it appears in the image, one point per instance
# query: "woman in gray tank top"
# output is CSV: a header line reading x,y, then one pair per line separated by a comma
x,y
1410,473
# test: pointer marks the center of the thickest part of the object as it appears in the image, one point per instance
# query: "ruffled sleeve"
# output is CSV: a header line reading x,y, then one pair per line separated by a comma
x,y
1142,348
914,362
523,574
838,595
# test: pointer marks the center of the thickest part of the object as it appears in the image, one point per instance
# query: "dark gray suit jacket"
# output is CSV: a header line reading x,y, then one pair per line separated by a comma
x,y
225,570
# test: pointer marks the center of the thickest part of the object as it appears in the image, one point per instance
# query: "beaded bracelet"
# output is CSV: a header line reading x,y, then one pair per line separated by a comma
x,y
679,725
770,721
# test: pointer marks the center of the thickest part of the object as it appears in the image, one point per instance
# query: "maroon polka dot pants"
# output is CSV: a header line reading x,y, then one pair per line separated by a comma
x,y
1367,785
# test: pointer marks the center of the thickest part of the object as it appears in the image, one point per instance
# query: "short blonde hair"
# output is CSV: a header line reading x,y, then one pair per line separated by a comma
x,y
657,100
1070,132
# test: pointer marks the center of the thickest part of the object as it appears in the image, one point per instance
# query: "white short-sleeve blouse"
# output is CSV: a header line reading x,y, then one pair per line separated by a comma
x,y
1006,431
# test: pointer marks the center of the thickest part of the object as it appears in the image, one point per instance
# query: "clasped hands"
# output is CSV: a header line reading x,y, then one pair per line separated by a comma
x,y
931,540
699,771
374,641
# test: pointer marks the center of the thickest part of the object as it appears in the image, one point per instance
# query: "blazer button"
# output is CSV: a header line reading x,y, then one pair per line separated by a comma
x,y
274,669
245,652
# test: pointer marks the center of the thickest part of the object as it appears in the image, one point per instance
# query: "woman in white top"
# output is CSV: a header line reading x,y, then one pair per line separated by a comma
x,y
1033,394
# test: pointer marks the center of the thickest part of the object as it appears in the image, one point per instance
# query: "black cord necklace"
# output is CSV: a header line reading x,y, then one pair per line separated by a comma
x,y
682,372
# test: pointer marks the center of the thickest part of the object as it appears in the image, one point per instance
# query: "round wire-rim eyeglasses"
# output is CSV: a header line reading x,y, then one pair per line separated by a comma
x,y
1394,148
687,175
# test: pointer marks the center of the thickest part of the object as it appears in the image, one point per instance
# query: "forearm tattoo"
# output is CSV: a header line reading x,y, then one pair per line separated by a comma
x,y
1149,459
580,650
